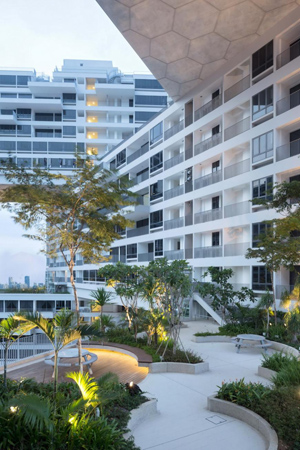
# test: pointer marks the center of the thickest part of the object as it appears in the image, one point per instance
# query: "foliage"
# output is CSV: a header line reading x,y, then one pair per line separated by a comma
x,y
277,361
292,321
101,297
244,394
182,356
288,375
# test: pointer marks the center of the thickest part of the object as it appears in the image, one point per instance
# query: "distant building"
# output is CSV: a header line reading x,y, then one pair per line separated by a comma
x,y
27,280
10,282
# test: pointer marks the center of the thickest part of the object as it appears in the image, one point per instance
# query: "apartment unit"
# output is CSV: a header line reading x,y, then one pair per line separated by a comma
x,y
197,165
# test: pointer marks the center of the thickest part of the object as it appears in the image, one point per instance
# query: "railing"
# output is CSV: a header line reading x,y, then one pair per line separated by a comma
x,y
237,88
177,159
289,102
208,143
174,129
237,249
207,216
138,231
237,169
174,223
288,55
141,151
288,150
174,192
142,257
263,112
208,107
174,254
189,120
188,253
262,156
26,346
155,225
60,280
208,252
211,178
188,186
188,220
188,152
237,128
236,209
140,178
281,289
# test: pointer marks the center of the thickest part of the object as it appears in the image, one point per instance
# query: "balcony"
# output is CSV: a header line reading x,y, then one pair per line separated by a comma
x,y
144,257
141,151
174,223
237,249
208,252
237,128
214,140
174,192
60,280
208,107
288,150
137,231
207,216
207,180
174,129
237,88
177,159
237,209
140,178
288,55
237,169
287,103
174,254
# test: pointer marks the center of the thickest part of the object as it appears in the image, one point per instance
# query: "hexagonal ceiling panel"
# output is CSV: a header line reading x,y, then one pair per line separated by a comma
x,y
182,42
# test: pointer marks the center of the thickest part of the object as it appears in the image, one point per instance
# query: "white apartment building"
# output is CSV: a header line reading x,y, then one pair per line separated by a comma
x,y
197,165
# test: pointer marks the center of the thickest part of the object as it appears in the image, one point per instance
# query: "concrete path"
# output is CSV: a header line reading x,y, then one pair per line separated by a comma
x,y
183,422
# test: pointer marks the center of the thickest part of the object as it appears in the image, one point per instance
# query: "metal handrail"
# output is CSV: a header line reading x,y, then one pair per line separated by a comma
x,y
208,107
288,150
212,141
237,88
177,159
207,180
174,129
288,55
237,169
237,128
287,103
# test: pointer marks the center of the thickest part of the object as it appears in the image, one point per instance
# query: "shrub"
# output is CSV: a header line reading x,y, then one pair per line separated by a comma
x,y
241,393
278,333
277,361
289,375
232,329
181,356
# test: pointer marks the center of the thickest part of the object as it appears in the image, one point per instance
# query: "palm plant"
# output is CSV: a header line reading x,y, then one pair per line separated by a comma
x,y
101,298
10,331
265,302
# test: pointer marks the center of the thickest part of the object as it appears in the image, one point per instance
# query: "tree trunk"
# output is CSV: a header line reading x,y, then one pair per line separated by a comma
x,y
71,268
268,321
274,297
55,373
5,366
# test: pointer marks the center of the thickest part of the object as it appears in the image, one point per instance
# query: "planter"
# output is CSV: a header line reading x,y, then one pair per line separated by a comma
x,y
140,414
245,415
175,367
206,339
266,373
284,349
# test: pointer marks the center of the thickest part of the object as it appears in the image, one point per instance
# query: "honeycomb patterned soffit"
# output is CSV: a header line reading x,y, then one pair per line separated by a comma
x,y
183,42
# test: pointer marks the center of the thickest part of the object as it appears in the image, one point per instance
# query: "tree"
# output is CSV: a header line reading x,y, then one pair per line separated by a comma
x,y
101,298
61,331
265,302
10,332
221,291
70,212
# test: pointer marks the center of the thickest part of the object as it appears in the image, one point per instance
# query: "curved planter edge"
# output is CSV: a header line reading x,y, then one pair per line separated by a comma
x,y
245,415
199,339
193,369
140,414
266,373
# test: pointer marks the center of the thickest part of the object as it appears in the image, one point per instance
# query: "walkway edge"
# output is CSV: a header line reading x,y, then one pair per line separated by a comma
x,y
245,415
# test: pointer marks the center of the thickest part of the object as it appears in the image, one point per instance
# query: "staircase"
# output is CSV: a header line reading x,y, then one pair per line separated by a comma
x,y
206,304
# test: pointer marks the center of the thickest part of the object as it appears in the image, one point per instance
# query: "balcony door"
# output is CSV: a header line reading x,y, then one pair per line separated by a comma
x,y
295,96
295,143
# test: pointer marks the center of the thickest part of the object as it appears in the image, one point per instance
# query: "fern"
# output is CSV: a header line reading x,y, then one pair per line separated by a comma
x,y
33,410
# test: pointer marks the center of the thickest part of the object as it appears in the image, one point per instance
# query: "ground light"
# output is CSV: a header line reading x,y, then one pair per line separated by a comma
x,y
133,388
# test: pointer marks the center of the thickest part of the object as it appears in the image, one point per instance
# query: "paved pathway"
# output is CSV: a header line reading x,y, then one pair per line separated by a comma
x,y
183,421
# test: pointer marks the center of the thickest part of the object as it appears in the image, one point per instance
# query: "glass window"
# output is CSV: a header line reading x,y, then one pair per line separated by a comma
x,y
24,113
262,103
215,203
156,133
261,278
11,306
262,59
132,251
8,129
121,158
69,114
262,188
26,304
262,147
159,247
69,131
258,229
144,116
215,130
156,162
8,80
150,100
62,147
69,99
8,95
215,239
156,219
156,190
147,84
142,223
24,146
47,117
25,95
216,166
22,80
7,145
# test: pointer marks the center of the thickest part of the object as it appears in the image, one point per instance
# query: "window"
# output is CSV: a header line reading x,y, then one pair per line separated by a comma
x,y
147,84
7,112
8,94
132,251
156,219
24,146
8,129
215,94
150,100
69,131
143,116
8,80
61,147
121,158
69,114
259,229
25,95
156,133
69,99
159,247
215,203
262,59
47,133
215,239
262,188
11,306
24,113
262,147
7,145
215,130
142,223
156,162
69,80
130,119
261,278
22,80
26,304
262,103
216,166
156,190
131,103
47,117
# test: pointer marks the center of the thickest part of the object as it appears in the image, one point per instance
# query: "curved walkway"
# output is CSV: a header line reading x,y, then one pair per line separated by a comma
x,y
183,421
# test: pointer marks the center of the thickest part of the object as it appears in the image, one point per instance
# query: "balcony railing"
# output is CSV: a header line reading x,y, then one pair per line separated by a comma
x,y
189,120
140,178
214,140
143,257
208,252
237,169
141,151
288,55
188,152
208,107
177,159
207,216
60,280
236,209
188,220
236,249
237,128
138,231
288,150
174,254
211,178
289,102
188,253
174,192
174,223
237,88
174,129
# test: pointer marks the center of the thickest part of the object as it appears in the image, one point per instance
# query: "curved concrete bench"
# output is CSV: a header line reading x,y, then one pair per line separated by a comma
x,y
176,367
139,354
245,415
142,413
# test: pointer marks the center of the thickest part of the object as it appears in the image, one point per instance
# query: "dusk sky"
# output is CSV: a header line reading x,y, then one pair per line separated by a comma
x,y
39,34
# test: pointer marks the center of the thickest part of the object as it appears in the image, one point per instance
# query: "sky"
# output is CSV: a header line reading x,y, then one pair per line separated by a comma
x,y
40,34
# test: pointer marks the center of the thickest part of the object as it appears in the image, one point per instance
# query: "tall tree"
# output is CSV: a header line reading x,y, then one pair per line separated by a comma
x,y
68,212
101,297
